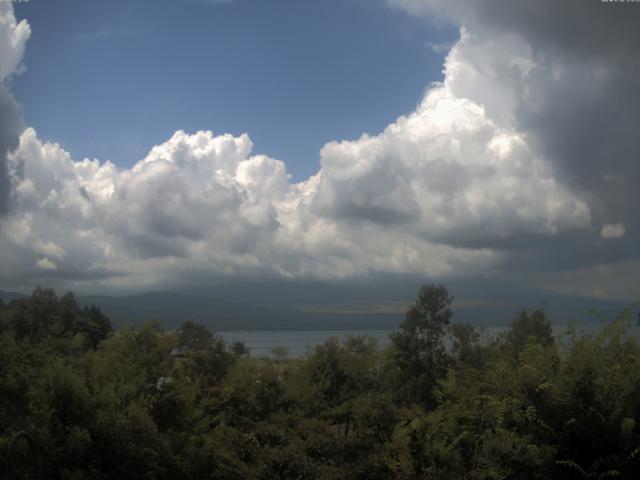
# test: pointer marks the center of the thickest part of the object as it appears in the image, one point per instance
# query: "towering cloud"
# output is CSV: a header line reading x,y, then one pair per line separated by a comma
x,y
198,206
566,75
447,173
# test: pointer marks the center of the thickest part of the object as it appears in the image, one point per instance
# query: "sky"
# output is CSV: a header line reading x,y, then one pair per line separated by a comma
x,y
294,74
149,145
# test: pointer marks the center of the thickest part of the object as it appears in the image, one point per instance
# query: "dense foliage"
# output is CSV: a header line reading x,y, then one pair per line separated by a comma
x,y
444,401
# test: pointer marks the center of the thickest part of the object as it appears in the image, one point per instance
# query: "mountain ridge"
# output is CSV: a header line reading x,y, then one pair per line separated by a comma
x,y
300,306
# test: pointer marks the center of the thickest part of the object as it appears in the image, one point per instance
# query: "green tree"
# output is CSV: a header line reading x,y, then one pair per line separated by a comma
x,y
193,336
528,328
279,352
240,349
466,345
418,347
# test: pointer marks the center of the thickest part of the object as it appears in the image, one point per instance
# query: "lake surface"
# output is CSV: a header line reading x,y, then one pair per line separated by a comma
x,y
299,342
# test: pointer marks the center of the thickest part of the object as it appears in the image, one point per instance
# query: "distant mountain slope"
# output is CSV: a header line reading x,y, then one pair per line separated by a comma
x,y
476,300
477,294
295,306
8,296
171,309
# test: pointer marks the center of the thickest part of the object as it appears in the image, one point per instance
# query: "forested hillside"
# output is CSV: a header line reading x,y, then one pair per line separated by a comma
x,y
444,401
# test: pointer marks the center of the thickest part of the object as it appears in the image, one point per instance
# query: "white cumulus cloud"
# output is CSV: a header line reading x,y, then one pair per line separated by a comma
x,y
612,230
45,264
13,38
198,206
447,173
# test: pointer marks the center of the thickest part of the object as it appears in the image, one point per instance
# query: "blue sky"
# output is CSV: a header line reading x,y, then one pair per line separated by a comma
x,y
110,79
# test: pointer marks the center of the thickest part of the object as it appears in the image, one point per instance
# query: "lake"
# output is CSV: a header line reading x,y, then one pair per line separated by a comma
x,y
298,342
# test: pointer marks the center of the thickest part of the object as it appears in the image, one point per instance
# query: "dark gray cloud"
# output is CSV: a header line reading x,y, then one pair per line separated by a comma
x,y
576,101
582,28
583,106
13,37
10,121
583,109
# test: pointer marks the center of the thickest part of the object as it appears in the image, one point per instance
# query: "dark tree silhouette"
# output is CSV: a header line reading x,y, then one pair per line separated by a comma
x,y
419,350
